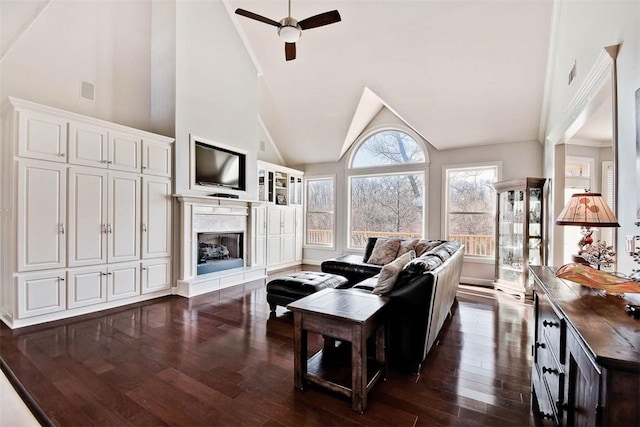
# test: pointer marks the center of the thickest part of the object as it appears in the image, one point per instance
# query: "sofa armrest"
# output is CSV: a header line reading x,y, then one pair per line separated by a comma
x,y
351,267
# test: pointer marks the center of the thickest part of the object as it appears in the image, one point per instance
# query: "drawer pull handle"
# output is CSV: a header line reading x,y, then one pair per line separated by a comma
x,y
547,416
550,324
541,345
546,370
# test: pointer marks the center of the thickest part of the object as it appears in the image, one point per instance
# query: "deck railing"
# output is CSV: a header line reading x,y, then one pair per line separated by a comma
x,y
475,245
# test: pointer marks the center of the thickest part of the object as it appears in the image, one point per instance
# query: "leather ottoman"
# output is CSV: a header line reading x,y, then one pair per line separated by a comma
x,y
287,289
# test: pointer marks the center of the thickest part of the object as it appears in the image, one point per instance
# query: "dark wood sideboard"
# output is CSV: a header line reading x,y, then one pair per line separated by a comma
x,y
586,355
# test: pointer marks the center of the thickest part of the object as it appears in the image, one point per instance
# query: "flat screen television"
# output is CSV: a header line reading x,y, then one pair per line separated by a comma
x,y
219,167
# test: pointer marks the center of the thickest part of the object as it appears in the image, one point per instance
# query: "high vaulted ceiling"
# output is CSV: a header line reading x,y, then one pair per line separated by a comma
x,y
460,73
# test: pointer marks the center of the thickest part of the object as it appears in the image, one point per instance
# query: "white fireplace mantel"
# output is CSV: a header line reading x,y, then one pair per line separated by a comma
x,y
212,214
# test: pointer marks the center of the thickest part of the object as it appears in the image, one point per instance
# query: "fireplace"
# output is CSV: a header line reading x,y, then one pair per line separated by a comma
x,y
215,248
219,251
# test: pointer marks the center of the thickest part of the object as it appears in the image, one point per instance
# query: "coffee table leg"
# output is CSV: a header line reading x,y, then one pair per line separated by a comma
x,y
381,350
299,351
358,369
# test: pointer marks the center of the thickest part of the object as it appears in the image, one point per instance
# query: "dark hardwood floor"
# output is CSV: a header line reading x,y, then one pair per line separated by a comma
x,y
221,359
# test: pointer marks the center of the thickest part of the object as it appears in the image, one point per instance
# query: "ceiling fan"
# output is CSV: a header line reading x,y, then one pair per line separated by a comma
x,y
290,30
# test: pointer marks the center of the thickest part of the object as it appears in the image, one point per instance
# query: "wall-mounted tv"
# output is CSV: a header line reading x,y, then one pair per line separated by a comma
x,y
216,166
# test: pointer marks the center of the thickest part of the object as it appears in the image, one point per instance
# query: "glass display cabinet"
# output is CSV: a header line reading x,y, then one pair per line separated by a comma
x,y
519,233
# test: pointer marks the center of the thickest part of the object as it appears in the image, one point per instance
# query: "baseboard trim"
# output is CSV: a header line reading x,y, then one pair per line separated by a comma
x,y
488,283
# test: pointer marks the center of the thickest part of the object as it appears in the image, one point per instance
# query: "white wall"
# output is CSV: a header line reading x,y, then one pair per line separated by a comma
x,y
583,30
519,159
102,42
216,87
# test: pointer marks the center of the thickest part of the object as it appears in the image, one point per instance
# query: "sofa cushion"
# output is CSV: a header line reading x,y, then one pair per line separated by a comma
x,y
389,274
426,245
441,253
384,251
420,265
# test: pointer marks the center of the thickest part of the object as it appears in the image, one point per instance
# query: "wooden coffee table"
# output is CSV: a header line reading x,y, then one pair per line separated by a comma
x,y
349,316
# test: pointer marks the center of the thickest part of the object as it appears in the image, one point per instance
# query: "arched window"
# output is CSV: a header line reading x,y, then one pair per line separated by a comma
x,y
386,182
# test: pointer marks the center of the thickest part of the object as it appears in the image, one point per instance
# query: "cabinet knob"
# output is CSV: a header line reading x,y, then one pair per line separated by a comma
x,y
541,345
546,416
144,228
61,154
61,279
550,324
109,162
61,228
546,370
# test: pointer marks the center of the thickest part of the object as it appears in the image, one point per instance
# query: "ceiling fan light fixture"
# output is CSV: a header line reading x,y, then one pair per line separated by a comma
x,y
289,30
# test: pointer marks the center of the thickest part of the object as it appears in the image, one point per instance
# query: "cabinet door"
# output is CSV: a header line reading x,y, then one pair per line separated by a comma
x,y
123,224
156,275
583,388
42,200
156,158
274,221
288,216
124,152
42,136
88,145
41,293
299,233
123,281
156,217
260,233
87,206
87,286
288,248
274,250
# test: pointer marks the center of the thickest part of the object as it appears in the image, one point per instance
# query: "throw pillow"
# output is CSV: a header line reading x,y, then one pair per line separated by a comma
x,y
389,274
384,251
426,245
406,246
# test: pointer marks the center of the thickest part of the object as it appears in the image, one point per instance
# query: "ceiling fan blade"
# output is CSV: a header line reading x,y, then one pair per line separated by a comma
x,y
325,18
257,17
290,51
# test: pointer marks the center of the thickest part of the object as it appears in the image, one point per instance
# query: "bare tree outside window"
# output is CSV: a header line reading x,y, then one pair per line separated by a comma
x,y
470,208
387,203
320,212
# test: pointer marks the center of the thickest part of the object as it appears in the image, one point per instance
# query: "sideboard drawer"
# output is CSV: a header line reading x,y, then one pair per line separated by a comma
x,y
552,327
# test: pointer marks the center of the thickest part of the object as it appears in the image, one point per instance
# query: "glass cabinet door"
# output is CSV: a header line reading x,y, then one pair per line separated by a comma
x,y
511,234
519,235
535,226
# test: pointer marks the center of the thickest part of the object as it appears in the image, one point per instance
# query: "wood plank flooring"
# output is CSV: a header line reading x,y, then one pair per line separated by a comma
x,y
221,359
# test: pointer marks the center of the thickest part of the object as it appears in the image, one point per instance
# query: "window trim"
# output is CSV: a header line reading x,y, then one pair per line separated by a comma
x,y
444,212
421,168
334,180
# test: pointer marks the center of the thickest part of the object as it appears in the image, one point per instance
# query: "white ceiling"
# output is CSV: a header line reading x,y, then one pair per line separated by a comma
x,y
461,73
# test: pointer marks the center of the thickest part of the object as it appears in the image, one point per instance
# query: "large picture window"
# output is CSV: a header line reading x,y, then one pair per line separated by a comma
x,y
320,212
386,181
470,207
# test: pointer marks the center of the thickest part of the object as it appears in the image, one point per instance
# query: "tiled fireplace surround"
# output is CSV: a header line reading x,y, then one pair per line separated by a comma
x,y
206,214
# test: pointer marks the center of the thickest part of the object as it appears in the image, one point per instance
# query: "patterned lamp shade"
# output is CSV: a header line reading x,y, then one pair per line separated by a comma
x,y
587,210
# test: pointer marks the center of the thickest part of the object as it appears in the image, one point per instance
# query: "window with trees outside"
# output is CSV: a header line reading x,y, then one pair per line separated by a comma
x,y
386,188
320,212
470,207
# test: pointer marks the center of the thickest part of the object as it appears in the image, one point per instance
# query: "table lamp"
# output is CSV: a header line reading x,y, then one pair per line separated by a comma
x,y
587,210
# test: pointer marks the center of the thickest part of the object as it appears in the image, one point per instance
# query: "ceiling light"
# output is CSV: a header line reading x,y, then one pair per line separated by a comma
x,y
289,30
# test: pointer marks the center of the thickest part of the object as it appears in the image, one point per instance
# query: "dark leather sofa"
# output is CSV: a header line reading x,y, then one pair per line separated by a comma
x,y
421,298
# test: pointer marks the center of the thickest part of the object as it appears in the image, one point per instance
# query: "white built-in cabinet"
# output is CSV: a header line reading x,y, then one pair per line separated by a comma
x,y
278,225
86,214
